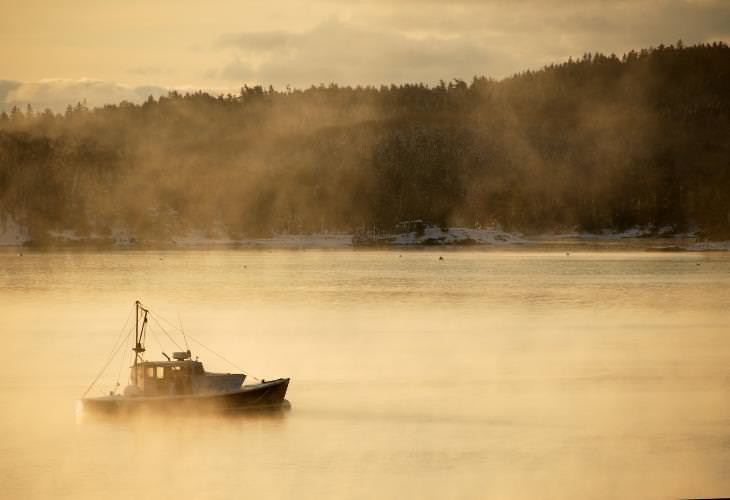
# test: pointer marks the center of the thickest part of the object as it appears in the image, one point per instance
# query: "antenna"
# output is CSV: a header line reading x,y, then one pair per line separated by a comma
x,y
187,347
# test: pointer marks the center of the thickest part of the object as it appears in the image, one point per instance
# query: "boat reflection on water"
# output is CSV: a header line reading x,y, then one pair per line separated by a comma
x,y
181,386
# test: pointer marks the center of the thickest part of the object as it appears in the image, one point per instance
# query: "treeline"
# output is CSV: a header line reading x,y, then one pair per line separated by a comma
x,y
597,143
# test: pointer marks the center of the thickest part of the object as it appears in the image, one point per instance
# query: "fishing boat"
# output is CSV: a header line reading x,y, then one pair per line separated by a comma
x,y
181,384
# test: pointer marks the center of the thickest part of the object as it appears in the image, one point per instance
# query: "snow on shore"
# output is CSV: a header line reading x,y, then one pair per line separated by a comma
x,y
608,235
70,236
432,235
13,233
710,246
120,237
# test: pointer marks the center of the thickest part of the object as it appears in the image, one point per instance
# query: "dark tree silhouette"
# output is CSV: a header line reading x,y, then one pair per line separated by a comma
x,y
601,142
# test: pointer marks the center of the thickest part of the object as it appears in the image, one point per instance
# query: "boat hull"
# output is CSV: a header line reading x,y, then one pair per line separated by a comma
x,y
269,394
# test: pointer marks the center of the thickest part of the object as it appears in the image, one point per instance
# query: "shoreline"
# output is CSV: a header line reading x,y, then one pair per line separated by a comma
x,y
417,235
658,245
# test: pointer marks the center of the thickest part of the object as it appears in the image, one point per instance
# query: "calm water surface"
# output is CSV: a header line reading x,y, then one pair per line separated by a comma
x,y
485,375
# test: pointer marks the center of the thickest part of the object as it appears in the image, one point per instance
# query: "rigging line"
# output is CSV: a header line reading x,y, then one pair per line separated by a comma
x,y
157,340
183,332
223,358
106,365
128,359
154,317
167,321
121,332
114,349
121,365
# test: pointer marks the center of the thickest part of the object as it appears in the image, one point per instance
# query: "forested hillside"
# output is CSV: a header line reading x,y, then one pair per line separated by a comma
x,y
603,142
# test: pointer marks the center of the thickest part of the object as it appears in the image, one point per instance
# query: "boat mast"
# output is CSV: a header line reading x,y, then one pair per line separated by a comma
x,y
139,335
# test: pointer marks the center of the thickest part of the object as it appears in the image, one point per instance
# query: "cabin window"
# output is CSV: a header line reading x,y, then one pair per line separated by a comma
x,y
176,368
150,373
160,372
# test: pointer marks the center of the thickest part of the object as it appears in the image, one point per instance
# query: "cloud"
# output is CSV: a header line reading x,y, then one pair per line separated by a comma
x,y
306,42
56,94
428,40
538,27
347,53
6,87
148,70
258,41
236,70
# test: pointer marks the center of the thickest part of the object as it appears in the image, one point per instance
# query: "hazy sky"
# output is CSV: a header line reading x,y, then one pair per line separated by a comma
x,y
54,51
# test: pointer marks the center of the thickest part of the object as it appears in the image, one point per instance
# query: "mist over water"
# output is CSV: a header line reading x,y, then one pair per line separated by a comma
x,y
486,375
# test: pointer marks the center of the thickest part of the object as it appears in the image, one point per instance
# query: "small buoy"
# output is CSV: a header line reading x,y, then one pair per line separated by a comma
x,y
567,253
245,266
441,258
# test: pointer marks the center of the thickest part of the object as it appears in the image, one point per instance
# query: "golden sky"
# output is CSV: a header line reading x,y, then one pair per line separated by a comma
x,y
53,50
